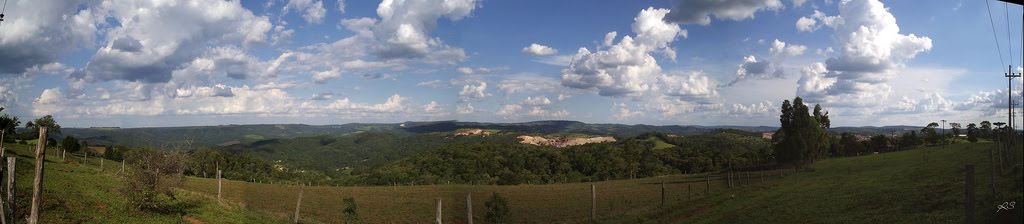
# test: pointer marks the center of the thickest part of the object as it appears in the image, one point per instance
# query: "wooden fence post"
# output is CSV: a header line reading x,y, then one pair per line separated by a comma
x,y
438,213
298,205
969,194
593,202
663,194
122,165
992,171
37,183
689,191
469,208
3,204
101,164
729,180
219,179
11,161
707,184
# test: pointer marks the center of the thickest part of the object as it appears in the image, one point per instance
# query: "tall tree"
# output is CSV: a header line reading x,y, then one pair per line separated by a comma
x,y
930,134
804,138
956,129
972,132
8,124
986,129
70,144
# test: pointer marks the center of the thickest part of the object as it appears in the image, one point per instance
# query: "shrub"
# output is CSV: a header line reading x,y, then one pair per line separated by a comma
x,y
149,182
351,214
497,210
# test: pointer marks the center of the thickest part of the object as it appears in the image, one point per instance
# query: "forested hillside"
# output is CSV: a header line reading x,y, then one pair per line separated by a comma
x,y
511,163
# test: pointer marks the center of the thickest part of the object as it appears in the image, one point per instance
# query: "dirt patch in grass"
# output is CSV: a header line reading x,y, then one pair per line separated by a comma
x,y
193,220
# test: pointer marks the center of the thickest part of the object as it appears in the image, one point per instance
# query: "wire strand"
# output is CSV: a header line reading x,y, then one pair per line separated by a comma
x,y
994,36
1009,42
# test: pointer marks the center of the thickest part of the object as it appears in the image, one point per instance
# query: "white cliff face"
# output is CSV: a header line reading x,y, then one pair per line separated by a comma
x,y
563,142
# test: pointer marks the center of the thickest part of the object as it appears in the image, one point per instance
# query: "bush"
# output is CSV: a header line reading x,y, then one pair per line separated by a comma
x,y
149,182
497,210
351,215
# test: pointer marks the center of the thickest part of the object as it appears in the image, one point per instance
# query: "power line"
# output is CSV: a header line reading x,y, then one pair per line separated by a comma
x,y
1009,44
994,36
3,10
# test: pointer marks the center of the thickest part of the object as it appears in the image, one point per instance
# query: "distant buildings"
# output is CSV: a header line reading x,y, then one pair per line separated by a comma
x,y
767,135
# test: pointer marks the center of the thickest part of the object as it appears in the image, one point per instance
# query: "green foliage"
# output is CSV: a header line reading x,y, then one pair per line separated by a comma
x,y
148,185
8,125
986,129
497,210
801,138
850,145
509,163
351,213
972,132
50,142
46,121
116,152
930,134
880,143
910,140
70,144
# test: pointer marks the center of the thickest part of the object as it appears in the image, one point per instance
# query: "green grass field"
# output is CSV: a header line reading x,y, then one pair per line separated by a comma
x,y
76,192
900,187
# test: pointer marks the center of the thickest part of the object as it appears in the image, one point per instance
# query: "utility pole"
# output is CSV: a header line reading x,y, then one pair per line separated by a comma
x,y
943,134
1009,95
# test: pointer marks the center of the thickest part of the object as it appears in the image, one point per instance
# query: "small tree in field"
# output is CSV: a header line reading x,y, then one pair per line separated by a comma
x,y
149,182
70,144
497,210
351,215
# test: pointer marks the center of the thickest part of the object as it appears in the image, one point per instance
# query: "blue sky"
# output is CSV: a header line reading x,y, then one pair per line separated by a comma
x,y
729,62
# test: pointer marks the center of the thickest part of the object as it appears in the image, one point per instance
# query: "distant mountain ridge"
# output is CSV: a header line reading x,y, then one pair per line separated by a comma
x,y
222,135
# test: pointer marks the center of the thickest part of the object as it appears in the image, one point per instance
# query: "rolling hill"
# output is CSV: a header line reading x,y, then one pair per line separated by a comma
x,y
225,135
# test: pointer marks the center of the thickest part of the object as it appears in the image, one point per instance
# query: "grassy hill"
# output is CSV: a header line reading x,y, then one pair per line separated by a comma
x,y
215,135
357,150
76,192
899,187
918,186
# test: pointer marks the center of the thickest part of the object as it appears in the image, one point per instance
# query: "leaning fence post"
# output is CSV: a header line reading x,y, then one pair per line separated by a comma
x,y
969,194
11,161
469,208
438,213
3,204
37,182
